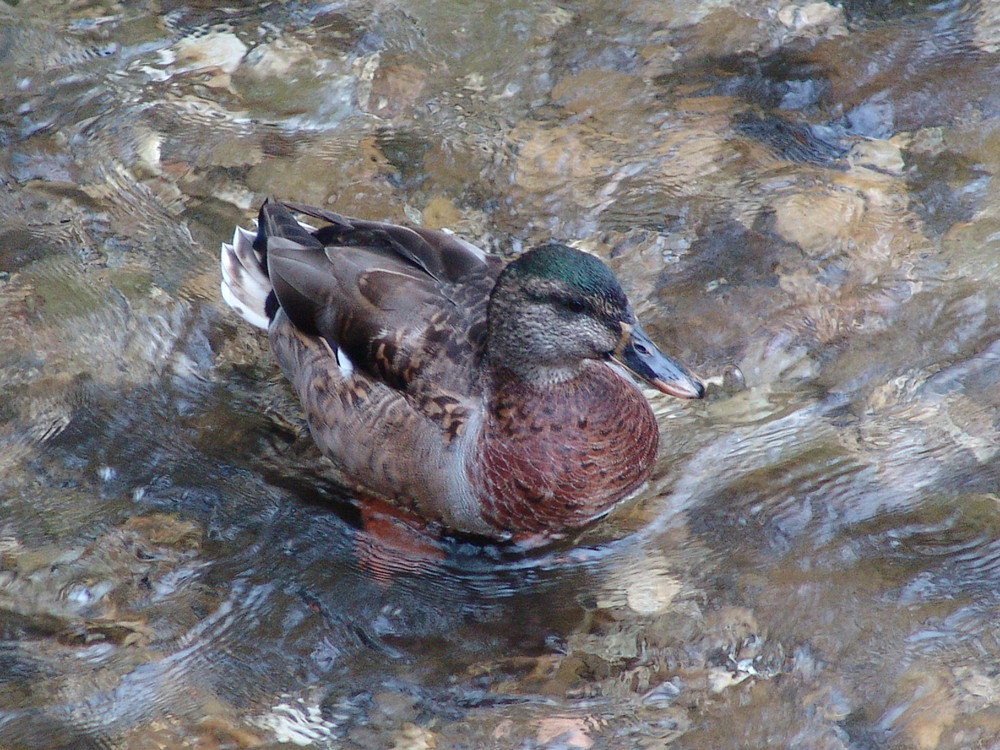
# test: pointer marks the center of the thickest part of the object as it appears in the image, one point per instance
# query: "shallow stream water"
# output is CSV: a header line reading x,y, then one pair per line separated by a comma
x,y
798,197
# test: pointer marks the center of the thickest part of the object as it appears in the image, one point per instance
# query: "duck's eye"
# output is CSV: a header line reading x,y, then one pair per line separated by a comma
x,y
572,305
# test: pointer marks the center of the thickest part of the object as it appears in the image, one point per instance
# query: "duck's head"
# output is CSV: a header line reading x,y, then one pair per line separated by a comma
x,y
554,307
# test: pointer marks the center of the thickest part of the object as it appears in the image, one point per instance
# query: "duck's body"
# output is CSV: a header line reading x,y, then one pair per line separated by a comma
x,y
485,399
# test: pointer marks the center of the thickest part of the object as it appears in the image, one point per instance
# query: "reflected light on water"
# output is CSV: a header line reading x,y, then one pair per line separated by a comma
x,y
802,195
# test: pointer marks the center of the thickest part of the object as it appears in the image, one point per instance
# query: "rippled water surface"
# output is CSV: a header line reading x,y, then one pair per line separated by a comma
x,y
799,198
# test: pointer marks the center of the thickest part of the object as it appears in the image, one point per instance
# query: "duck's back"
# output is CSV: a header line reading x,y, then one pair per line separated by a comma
x,y
406,306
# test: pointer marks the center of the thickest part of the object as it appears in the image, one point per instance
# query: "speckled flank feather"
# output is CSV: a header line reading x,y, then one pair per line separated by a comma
x,y
482,402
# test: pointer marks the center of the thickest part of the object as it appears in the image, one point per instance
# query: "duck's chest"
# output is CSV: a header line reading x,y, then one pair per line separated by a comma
x,y
555,457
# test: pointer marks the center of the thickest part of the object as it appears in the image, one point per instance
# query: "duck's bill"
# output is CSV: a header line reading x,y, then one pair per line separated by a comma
x,y
644,360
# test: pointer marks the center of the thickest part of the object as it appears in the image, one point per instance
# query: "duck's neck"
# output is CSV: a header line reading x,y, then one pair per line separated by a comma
x,y
519,374
554,454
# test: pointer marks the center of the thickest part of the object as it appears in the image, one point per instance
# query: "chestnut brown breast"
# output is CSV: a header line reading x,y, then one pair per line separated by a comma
x,y
556,457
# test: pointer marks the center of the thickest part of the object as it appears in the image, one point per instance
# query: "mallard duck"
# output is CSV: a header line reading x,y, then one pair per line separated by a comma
x,y
488,398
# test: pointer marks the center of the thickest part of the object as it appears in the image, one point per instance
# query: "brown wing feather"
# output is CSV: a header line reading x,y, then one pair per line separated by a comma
x,y
407,306
440,255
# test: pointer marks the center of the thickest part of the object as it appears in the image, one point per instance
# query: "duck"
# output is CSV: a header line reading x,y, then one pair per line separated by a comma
x,y
487,398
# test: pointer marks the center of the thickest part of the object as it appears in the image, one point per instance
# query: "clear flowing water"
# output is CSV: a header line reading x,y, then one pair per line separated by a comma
x,y
799,198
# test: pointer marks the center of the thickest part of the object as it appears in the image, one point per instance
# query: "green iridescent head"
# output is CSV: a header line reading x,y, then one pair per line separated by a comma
x,y
554,309
574,274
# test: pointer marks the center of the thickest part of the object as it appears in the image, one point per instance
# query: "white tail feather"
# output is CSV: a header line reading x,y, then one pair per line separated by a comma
x,y
245,286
